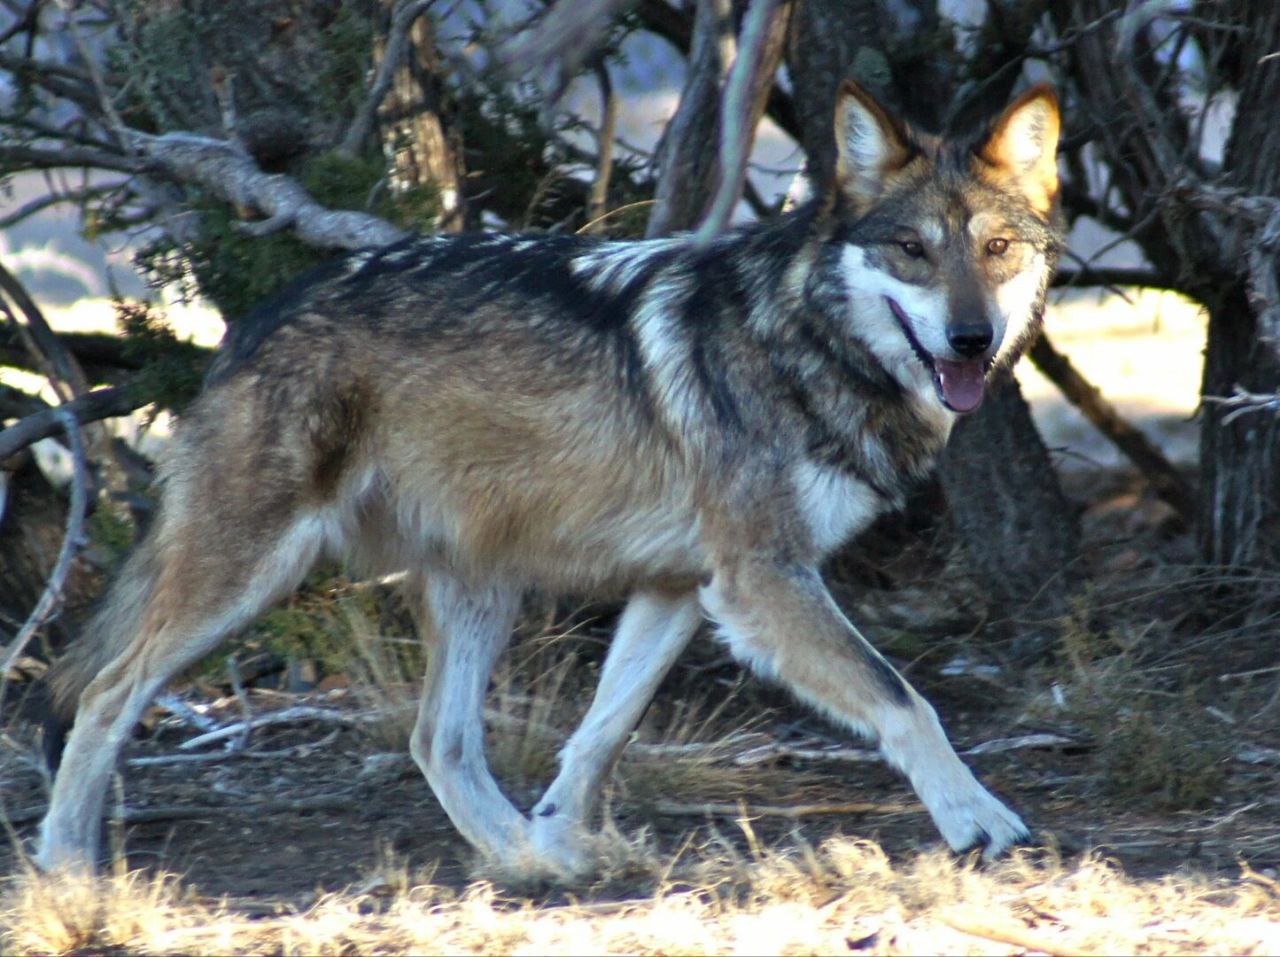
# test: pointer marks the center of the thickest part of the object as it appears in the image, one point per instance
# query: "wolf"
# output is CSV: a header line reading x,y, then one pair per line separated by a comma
x,y
693,425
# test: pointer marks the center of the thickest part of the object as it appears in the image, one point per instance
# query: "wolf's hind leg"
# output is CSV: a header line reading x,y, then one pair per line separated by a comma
x,y
465,628
652,632
180,594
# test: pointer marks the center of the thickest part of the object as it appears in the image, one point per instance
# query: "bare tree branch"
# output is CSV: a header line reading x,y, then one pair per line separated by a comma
x,y
41,203
58,365
13,157
1140,97
403,17
687,168
72,540
90,407
676,27
564,38
1110,278
27,21
113,121
1264,288
753,67
599,197
234,177
54,78
1086,397
1241,403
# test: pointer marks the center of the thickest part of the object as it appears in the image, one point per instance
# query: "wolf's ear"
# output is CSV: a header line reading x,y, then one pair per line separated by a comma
x,y
1023,146
870,144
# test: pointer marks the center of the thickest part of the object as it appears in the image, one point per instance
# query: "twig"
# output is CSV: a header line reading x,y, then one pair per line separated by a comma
x,y
1253,673
40,203
774,749
736,129
1220,822
676,27
237,686
59,80
208,757
114,123
296,715
404,16
604,148
185,713
1258,755
1263,286
1241,402
1021,742
68,157
1109,278
615,212
1150,114
71,542
27,20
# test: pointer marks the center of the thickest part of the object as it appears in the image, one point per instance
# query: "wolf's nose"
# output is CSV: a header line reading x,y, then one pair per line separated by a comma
x,y
970,340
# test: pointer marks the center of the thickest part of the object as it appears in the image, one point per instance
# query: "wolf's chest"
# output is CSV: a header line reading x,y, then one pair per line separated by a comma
x,y
834,505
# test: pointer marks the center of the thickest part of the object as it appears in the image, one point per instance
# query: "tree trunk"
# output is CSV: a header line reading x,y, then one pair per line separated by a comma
x,y
1007,508
1216,256
1239,513
418,126
1239,455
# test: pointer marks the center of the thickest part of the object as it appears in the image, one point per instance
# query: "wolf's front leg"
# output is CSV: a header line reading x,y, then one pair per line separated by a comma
x,y
779,618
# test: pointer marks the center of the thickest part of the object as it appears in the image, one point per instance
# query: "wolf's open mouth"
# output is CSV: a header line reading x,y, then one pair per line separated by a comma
x,y
960,385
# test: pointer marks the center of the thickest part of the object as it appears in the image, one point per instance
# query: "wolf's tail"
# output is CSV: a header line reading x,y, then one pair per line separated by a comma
x,y
104,637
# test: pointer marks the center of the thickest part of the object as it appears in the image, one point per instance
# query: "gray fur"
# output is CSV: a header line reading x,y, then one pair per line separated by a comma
x,y
700,426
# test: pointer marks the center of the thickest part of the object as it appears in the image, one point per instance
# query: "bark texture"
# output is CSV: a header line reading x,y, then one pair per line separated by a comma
x,y
1239,516
1213,234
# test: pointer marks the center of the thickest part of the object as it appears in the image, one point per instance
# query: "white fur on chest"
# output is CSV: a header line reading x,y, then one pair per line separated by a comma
x,y
835,506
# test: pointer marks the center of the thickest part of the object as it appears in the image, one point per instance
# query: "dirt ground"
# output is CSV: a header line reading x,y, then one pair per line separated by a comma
x,y
313,806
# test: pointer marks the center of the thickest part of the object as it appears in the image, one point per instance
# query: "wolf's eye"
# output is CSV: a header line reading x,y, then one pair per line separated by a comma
x,y
912,248
997,246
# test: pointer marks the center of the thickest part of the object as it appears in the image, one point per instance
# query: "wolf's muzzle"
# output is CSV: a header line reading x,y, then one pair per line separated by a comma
x,y
970,339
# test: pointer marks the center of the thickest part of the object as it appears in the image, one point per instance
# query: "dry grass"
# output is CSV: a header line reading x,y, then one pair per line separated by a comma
x,y
845,895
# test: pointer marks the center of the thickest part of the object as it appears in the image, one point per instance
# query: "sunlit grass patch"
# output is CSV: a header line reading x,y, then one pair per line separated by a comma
x,y
842,896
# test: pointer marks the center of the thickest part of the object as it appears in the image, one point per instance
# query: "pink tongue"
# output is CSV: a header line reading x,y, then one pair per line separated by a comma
x,y
961,384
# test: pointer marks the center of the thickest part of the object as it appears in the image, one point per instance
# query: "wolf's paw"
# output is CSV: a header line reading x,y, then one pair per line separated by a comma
x,y
51,859
978,820
562,846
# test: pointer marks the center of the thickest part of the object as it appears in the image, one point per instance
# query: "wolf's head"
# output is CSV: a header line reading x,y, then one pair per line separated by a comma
x,y
947,245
